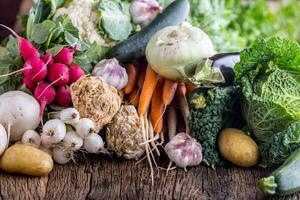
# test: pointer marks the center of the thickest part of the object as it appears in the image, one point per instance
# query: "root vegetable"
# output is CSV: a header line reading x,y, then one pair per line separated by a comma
x,y
19,112
63,96
31,138
45,94
25,159
96,100
124,134
62,155
26,48
75,73
73,140
47,58
58,74
93,143
54,131
69,116
65,56
84,127
3,139
35,69
29,84
172,122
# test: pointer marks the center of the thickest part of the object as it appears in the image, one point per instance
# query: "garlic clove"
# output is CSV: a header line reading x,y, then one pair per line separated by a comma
x,y
184,151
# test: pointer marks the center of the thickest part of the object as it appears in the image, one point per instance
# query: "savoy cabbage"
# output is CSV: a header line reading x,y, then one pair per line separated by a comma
x,y
269,73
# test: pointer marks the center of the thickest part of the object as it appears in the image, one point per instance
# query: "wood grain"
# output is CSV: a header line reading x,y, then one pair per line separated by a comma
x,y
98,177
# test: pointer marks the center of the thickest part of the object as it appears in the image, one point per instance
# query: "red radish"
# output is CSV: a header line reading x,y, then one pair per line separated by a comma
x,y
75,73
45,94
35,69
26,48
63,96
29,84
47,58
65,56
58,74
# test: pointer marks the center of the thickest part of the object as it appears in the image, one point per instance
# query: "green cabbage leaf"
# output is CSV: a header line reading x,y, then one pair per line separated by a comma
x,y
269,73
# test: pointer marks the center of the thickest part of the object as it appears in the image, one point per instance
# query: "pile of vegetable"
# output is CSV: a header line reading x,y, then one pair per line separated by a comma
x,y
129,77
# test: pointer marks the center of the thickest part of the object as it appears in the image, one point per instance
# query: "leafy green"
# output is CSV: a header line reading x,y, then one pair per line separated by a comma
x,y
212,111
269,73
10,61
213,17
280,145
115,19
41,31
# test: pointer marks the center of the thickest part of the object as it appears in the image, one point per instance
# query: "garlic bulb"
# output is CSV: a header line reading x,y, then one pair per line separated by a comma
x,y
143,12
112,72
184,150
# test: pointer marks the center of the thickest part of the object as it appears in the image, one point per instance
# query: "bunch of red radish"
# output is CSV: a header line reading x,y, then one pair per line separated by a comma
x,y
46,76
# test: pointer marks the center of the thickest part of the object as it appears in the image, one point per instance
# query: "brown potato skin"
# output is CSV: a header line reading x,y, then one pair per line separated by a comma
x,y
25,159
238,148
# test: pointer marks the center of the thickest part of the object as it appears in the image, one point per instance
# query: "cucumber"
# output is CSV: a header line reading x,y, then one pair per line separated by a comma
x,y
134,47
286,179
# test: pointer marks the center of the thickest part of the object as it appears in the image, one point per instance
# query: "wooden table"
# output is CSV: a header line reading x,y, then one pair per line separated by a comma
x,y
98,177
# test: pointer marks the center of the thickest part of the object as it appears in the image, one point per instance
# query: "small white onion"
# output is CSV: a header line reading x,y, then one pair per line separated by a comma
x,y
93,143
62,155
54,131
84,127
73,140
32,138
69,116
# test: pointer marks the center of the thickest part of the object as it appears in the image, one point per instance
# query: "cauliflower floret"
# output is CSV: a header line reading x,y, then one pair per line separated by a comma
x,y
85,18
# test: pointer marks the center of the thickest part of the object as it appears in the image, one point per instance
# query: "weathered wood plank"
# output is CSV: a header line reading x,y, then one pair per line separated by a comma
x,y
95,177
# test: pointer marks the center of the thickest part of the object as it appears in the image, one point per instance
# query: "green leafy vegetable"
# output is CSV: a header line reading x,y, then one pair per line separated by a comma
x,y
10,60
115,19
269,75
280,145
212,111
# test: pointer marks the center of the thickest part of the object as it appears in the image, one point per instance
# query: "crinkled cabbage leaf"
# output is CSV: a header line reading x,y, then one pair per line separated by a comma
x,y
269,73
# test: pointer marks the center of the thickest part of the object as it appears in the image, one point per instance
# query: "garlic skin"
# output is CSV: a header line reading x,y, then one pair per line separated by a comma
x,y
143,12
112,72
184,151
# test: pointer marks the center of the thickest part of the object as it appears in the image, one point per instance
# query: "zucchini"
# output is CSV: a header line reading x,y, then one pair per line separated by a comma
x,y
134,47
286,179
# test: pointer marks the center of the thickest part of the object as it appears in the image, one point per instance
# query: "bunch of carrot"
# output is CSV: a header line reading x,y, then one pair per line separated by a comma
x,y
153,94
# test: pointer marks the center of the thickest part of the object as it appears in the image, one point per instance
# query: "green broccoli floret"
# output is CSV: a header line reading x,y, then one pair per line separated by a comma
x,y
207,121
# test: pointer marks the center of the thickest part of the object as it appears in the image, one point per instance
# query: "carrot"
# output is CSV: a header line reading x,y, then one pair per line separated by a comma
x,y
132,78
169,90
183,106
151,79
134,97
181,90
157,108
190,87
172,121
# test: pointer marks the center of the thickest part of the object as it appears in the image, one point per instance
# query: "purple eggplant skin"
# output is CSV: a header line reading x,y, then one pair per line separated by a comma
x,y
225,62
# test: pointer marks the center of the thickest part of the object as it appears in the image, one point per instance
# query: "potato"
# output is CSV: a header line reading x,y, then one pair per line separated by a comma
x,y
238,148
25,159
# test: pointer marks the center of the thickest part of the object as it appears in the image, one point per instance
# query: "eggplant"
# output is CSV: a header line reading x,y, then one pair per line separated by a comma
x,y
225,62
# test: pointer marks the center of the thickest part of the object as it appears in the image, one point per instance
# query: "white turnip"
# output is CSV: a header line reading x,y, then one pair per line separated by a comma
x,y
3,139
62,155
19,112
